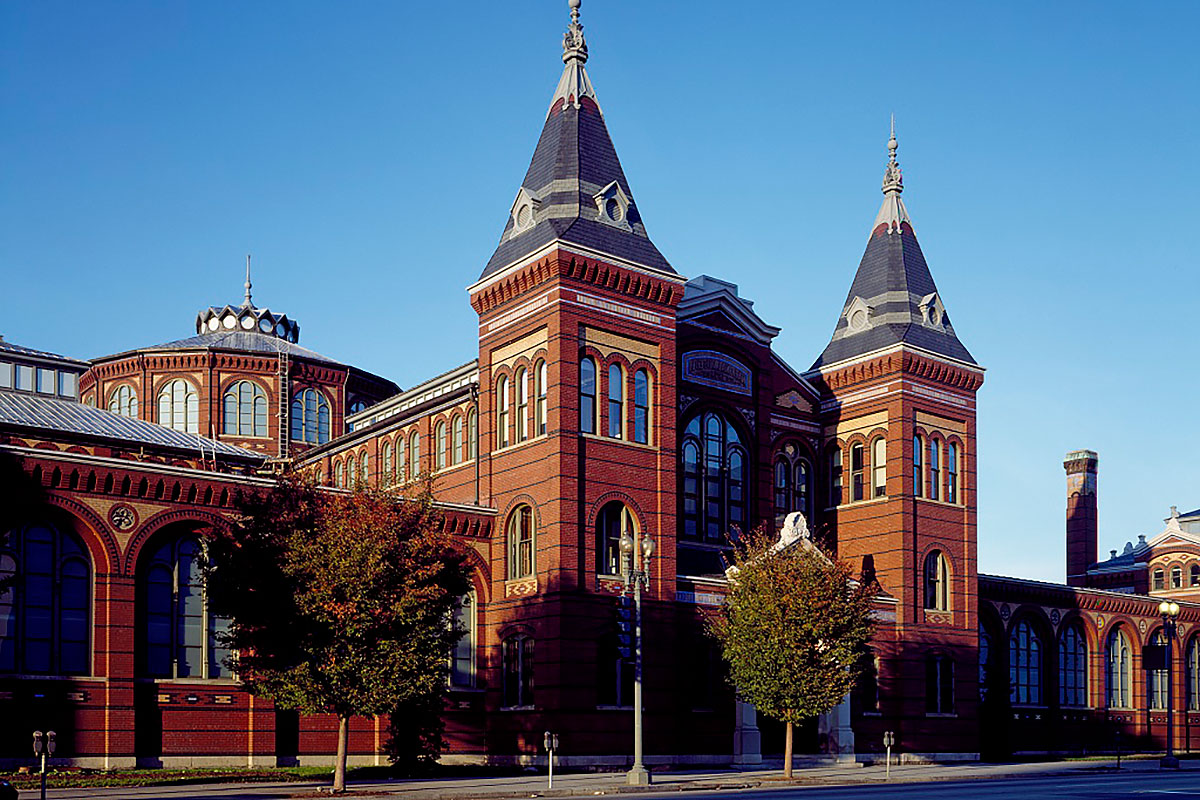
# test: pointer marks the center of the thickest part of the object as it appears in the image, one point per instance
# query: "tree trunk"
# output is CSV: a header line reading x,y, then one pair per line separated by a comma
x,y
339,767
787,752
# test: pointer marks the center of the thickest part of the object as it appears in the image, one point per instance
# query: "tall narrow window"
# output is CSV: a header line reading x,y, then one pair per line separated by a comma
x,y
385,468
414,455
401,460
179,407
612,521
783,488
364,471
918,471
641,406
879,467
522,387
182,639
856,473
1119,670
462,658
124,401
939,685
1072,667
310,417
951,472
1176,577
502,412
1160,581
937,582
714,481
456,444
45,613
835,476
985,661
935,470
518,672
587,395
1025,665
801,489
245,409
441,444
520,543
1194,575
339,478
472,435
614,675
539,413
1156,679
616,401
1192,675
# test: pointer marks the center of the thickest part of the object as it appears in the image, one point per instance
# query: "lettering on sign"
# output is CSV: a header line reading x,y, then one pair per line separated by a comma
x,y
710,368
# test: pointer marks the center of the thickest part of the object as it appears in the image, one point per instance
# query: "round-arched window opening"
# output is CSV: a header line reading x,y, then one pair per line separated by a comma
x,y
613,209
523,215
858,320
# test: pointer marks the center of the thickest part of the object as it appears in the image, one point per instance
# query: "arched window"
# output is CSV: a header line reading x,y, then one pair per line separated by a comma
x,y
1176,577
502,412
357,406
879,467
472,435
952,490
802,488
520,543
783,488
935,470
985,661
1160,581
857,466
1072,667
45,613
641,406
462,658
414,455
1192,675
1025,665
918,471
441,444
364,471
522,381
612,521
714,479
401,460
310,417
1194,575
587,395
1119,670
456,443
182,639
616,401
937,582
792,476
835,477
539,413
179,407
339,478
517,689
245,409
386,475
124,401
1156,679
939,685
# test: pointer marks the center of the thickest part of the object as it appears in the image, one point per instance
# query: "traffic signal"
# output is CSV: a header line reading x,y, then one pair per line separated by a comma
x,y
625,626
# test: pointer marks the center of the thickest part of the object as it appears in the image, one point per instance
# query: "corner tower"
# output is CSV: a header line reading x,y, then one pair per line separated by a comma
x,y
898,426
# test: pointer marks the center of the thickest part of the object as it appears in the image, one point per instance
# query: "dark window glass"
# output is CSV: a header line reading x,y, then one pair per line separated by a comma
x,y
1156,679
935,472
587,395
918,472
613,520
951,473
939,685
1025,665
857,465
641,406
520,543
179,637
1119,670
714,482
1072,667
462,659
835,476
518,672
937,575
522,388
616,402
614,675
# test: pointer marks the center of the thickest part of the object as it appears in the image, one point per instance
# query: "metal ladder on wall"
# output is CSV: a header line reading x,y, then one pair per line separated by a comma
x,y
285,393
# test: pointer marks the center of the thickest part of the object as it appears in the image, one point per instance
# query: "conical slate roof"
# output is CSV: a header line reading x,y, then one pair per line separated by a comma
x,y
893,298
575,190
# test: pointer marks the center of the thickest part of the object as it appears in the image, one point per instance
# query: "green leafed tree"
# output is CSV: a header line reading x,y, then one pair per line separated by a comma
x,y
339,603
793,627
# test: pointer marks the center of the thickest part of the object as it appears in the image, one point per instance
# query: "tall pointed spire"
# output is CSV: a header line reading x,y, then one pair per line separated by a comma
x,y
575,191
247,303
893,299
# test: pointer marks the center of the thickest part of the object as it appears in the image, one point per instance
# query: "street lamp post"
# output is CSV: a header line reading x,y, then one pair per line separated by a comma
x,y
636,576
1170,613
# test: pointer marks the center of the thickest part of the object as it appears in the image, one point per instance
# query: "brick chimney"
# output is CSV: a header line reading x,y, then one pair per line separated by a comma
x,y
1082,527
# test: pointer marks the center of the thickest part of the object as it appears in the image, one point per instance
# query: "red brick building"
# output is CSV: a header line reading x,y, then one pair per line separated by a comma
x,y
609,394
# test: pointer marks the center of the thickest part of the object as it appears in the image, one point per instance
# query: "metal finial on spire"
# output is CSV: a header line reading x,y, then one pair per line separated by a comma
x,y
247,302
574,46
893,179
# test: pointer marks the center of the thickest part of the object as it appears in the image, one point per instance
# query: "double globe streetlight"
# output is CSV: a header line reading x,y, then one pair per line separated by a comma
x,y
1170,614
637,574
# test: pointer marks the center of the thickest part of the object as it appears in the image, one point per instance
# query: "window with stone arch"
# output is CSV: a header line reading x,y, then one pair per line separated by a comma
x,y
179,406
124,401
339,478
1192,673
456,440
1072,666
521,545
244,409
918,471
502,412
937,581
1025,665
715,478
401,460
879,467
1156,679
414,455
522,389
310,417
616,401
472,435
793,484
935,469
953,490
613,521
180,638
45,601
1119,670
587,395
364,471
442,444
641,406
540,375
386,476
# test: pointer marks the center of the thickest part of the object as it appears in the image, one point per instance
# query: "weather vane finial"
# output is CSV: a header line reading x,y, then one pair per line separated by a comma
x,y
247,301
893,179
574,46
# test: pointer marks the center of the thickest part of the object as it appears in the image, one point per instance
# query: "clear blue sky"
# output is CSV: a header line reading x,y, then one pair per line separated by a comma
x,y
367,154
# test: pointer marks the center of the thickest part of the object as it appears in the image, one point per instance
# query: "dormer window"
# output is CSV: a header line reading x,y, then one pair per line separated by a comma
x,y
933,312
612,206
524,211
858,315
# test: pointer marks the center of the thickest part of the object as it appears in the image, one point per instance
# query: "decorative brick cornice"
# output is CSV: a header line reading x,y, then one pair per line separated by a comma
x,y
564,265
900,361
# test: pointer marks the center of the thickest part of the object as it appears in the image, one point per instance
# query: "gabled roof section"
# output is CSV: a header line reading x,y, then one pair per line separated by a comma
x,y
705,296
21,351
575,190
893,298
